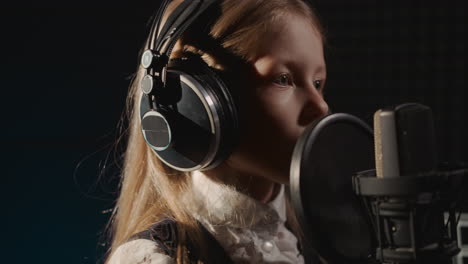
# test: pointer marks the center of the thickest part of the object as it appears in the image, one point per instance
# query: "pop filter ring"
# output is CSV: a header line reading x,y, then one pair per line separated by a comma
x,y
312,245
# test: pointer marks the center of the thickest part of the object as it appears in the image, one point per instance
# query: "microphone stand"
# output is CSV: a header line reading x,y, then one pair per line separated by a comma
x,y
414,217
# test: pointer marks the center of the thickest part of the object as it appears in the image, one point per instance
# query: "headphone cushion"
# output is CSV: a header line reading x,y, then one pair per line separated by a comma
x,y
213,84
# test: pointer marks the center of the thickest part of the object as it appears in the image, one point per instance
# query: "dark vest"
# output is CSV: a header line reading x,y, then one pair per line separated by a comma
x,y
164,234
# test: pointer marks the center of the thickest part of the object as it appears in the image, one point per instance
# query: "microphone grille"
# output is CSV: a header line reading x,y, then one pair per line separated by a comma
x,y
386,145
378,144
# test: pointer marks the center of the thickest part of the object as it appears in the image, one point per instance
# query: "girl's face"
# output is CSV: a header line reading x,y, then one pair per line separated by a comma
x,y
286,96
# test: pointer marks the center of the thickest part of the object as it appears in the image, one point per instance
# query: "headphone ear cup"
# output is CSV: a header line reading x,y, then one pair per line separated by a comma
x,y
203,127
223,106
221,87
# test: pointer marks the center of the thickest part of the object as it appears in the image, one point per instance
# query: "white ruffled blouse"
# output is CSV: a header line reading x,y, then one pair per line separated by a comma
x,y
248,230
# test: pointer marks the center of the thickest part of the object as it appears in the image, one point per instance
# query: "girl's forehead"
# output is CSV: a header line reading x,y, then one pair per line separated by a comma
x,y
290,35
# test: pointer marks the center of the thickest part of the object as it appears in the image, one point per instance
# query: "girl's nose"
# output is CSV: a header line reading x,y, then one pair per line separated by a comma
x,y
314,108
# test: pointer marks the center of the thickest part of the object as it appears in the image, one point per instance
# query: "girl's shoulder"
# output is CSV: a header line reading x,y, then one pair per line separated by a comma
x,y
155,245
140,251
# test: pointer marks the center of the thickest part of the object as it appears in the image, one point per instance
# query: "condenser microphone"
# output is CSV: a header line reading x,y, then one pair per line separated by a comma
x,y
409,196
404,141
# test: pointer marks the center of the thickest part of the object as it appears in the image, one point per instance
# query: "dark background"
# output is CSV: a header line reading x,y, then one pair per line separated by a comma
x,y
65,73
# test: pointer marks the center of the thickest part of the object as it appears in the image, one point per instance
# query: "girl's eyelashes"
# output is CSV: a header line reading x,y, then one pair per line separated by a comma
x,y
283,80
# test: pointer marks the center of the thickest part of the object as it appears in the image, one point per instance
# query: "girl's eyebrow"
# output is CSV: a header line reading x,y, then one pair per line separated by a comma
x,y
318,68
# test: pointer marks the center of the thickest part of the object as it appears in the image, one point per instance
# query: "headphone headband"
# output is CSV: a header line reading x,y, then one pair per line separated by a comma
x,y
179,20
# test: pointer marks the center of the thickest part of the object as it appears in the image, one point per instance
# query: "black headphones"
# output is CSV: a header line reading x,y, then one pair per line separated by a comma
x,y
187,112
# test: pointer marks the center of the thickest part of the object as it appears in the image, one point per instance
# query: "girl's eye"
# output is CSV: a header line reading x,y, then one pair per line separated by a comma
x,y
318,84
283,80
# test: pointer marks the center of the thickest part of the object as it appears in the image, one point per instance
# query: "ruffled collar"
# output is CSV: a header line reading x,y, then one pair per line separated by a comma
x,y
222,204
249,231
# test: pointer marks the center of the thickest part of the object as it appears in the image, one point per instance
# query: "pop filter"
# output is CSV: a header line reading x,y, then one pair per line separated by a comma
x,y
325,158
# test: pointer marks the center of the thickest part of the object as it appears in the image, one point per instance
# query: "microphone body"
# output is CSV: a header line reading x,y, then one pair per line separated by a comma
x,y
406,194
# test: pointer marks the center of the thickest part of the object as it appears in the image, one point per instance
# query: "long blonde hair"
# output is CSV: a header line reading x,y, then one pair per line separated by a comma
x,y
149,189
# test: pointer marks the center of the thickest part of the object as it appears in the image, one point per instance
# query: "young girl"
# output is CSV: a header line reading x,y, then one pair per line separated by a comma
x,y
237,211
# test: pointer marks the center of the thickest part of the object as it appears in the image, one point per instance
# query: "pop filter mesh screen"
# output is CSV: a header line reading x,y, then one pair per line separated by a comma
x,y
326,157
